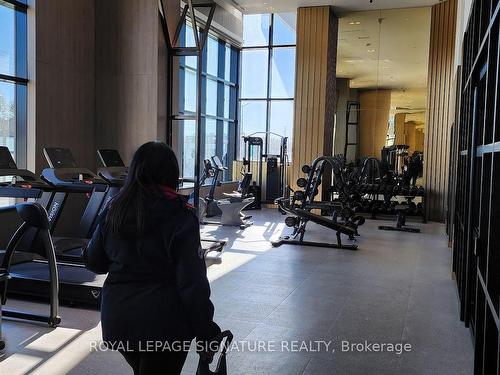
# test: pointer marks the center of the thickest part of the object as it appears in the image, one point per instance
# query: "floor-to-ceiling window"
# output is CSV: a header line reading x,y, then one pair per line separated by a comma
x,y
13,77
268,77
219,101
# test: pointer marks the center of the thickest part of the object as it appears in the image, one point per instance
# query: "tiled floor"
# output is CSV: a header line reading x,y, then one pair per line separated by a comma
x,y
395,289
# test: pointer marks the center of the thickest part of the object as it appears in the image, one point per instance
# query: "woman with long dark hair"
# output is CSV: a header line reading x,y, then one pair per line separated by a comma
x,y
156,297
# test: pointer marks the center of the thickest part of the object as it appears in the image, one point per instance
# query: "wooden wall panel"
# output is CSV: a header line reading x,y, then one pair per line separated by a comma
x,y
315,93
127,75
399,128
440,104
64,84
373,121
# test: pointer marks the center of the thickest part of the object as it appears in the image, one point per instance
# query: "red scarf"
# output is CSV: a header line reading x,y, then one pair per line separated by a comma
x,y
172,194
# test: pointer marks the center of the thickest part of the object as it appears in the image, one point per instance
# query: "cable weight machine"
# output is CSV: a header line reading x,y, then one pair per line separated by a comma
x,y
276,181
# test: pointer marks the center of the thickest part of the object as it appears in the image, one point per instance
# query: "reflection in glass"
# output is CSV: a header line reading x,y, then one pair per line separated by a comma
x,y
7,41
188,149
225,143
283,73
8,116
256,30
189,91
189,42
227,64
227,100
252,119
225,150
254,73
212,56
210,138
211,108
281,122
284,28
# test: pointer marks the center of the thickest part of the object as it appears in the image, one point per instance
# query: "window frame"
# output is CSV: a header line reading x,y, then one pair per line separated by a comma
x,y
222,83
20,83
268,99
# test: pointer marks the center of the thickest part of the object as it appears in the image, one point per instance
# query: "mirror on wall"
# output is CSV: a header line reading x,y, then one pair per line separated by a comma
x,y
382,62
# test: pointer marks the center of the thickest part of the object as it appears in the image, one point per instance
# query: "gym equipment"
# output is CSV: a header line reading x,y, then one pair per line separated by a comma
x,y
33,216
301,203
401,212
227,210
66,249
221,368
66,178
4,275
115,172
276,166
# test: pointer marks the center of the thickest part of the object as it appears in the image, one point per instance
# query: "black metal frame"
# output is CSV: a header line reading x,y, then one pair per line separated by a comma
x,y
20,83
220,119
301,211
52,319
175,51
476,215
268,99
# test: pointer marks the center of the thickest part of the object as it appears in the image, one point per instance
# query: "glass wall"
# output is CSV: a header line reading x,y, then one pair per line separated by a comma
x,y
268,77
13,78
219,93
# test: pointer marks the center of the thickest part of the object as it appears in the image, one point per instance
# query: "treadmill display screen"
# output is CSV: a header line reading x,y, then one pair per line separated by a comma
x,y
60,158
217,162
110,158
6,160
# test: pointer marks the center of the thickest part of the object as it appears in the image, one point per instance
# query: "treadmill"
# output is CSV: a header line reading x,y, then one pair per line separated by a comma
x,y
114,172
66,177
37,275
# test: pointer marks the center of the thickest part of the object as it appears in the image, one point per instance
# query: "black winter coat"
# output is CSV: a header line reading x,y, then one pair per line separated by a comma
x,y
156,288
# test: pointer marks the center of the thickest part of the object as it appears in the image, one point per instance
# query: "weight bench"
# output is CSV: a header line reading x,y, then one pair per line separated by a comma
x,y
300,221
401,211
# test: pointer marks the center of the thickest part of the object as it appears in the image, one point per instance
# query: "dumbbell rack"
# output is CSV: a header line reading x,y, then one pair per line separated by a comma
x,y
376,197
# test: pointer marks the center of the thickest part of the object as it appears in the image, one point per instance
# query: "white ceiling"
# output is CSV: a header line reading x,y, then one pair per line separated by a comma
x,y
269,6
385,49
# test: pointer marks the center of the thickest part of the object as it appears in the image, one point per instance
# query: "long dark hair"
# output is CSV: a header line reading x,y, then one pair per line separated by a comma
x,y
154,164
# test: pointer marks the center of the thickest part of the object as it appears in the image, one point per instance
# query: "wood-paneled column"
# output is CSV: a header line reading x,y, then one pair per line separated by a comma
x,y
440,107
315,90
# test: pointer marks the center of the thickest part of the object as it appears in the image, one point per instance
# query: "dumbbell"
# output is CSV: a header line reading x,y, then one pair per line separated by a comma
x,y
421,191
306,168
299,196
413,190
359,220
291,221
412,208
301,182
420,209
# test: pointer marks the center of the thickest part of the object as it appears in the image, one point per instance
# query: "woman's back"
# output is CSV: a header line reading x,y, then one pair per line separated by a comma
x,y
156,293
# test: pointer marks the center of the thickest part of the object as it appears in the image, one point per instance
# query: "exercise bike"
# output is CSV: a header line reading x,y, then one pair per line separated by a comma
x,y
226,211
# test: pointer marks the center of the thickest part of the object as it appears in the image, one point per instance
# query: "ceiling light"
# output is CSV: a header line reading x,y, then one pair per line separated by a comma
x,y
354,23
371,50
353,60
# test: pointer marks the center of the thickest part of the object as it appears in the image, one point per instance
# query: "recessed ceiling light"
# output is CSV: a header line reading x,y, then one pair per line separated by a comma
x,y
353,60
355,23
371,51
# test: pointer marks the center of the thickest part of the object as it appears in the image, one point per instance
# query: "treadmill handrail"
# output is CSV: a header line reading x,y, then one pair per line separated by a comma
x,y
59,178
26,175
10,191
113,175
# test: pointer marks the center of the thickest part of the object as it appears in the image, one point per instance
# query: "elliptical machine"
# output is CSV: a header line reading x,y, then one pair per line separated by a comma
x,y
226,211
